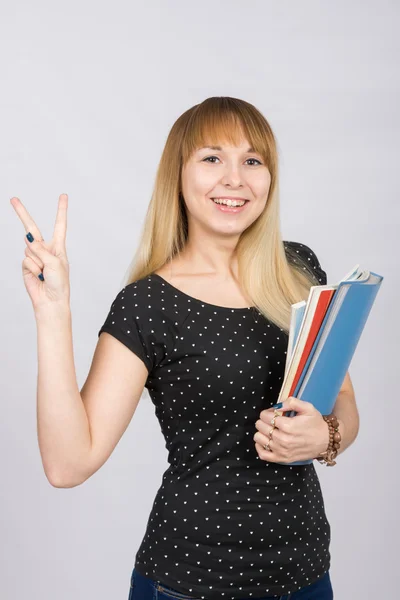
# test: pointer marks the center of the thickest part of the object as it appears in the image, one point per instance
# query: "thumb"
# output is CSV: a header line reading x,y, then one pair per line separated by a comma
x,y
293,403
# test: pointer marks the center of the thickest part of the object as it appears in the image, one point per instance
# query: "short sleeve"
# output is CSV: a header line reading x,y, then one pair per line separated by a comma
x,y
130,321
300,253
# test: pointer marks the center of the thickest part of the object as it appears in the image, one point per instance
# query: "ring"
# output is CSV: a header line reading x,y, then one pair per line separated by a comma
x,y
277,413
270,433
267,444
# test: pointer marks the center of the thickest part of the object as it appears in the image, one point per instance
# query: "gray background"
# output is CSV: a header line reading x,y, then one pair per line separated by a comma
x,y
89,93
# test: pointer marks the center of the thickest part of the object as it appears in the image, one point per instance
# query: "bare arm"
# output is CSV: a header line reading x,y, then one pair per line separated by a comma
x,y
62,422
347,414
78,431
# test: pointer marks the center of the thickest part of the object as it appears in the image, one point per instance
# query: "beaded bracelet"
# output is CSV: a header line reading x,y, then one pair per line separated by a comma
x,y
335,438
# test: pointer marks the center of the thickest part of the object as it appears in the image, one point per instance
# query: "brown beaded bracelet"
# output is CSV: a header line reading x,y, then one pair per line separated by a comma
x,y
335,438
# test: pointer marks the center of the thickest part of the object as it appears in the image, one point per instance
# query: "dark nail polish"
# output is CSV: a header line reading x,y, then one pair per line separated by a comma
x,y
30,237
41,277
279,405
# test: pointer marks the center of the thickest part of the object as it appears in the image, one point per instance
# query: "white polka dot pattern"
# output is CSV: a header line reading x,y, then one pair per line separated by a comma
x,y
224,523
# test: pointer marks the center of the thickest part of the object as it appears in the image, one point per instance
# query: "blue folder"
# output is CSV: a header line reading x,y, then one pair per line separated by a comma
x,y
335,344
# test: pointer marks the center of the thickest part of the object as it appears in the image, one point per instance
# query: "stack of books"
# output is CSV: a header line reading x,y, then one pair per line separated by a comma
x,y
323,335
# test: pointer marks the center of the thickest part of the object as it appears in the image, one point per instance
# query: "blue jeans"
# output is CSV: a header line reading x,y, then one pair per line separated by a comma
x,y
143,588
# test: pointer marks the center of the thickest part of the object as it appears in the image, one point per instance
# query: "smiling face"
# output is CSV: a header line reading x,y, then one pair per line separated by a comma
x,y
230,171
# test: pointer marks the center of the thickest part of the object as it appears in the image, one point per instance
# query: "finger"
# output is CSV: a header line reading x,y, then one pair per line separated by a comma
x,y
269,418
297,405
36,259
280,422
60,227
265,454
26,218
29,266
262,439
268,413
39,249
264,427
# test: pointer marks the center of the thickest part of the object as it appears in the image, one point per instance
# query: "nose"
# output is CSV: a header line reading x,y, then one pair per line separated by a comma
x,y
232,176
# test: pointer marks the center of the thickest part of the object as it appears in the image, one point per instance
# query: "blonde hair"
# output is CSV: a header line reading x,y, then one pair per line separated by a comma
x,y
265,275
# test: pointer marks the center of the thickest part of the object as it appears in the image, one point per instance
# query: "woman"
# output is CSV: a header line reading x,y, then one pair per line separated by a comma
x,y
202,323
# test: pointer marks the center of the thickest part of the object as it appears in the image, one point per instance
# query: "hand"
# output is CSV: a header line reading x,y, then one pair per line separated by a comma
x,y
49,258
297,438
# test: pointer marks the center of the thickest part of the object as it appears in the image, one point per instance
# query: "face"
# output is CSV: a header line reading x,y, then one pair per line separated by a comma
x,y
230,171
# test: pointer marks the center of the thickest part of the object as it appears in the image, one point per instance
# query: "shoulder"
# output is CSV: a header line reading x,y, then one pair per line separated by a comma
x,y
142,296
140,288
303,256
136,317
135,294
301,250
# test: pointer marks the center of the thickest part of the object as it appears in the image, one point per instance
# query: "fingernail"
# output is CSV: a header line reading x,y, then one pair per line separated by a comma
x,y
41,277
279,405
30,237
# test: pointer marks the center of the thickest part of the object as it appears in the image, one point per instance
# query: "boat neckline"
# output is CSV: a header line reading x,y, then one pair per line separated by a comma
x,y
202,302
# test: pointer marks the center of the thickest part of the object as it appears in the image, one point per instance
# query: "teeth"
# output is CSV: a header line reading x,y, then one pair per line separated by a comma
x,y
229,202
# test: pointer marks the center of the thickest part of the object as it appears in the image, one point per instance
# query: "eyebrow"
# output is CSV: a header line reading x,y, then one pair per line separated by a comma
x,y
220,149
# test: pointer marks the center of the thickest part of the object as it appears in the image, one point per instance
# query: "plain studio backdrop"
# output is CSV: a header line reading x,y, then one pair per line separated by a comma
x,y
89,92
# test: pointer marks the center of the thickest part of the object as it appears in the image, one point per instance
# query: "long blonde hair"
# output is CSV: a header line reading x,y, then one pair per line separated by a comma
x,y
264,273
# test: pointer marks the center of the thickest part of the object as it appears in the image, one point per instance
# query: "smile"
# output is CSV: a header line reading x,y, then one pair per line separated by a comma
x,y
228,205
230,201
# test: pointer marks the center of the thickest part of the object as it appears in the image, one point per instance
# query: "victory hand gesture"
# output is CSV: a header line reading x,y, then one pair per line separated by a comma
x,y
45,269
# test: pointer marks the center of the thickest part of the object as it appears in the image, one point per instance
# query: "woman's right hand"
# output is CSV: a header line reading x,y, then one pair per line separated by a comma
x,y
50,259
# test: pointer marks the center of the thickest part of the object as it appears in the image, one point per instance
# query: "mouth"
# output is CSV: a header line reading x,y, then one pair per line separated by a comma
x,y
230,205
230,200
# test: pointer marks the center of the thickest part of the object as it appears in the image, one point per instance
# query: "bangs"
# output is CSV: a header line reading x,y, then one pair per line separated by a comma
x,y
222,121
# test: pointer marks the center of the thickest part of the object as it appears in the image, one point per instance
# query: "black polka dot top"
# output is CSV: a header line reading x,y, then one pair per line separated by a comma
x,y
224,523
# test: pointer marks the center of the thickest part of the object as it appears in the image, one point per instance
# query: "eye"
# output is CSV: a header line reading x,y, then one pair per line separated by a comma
x,y
259,162
208,158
